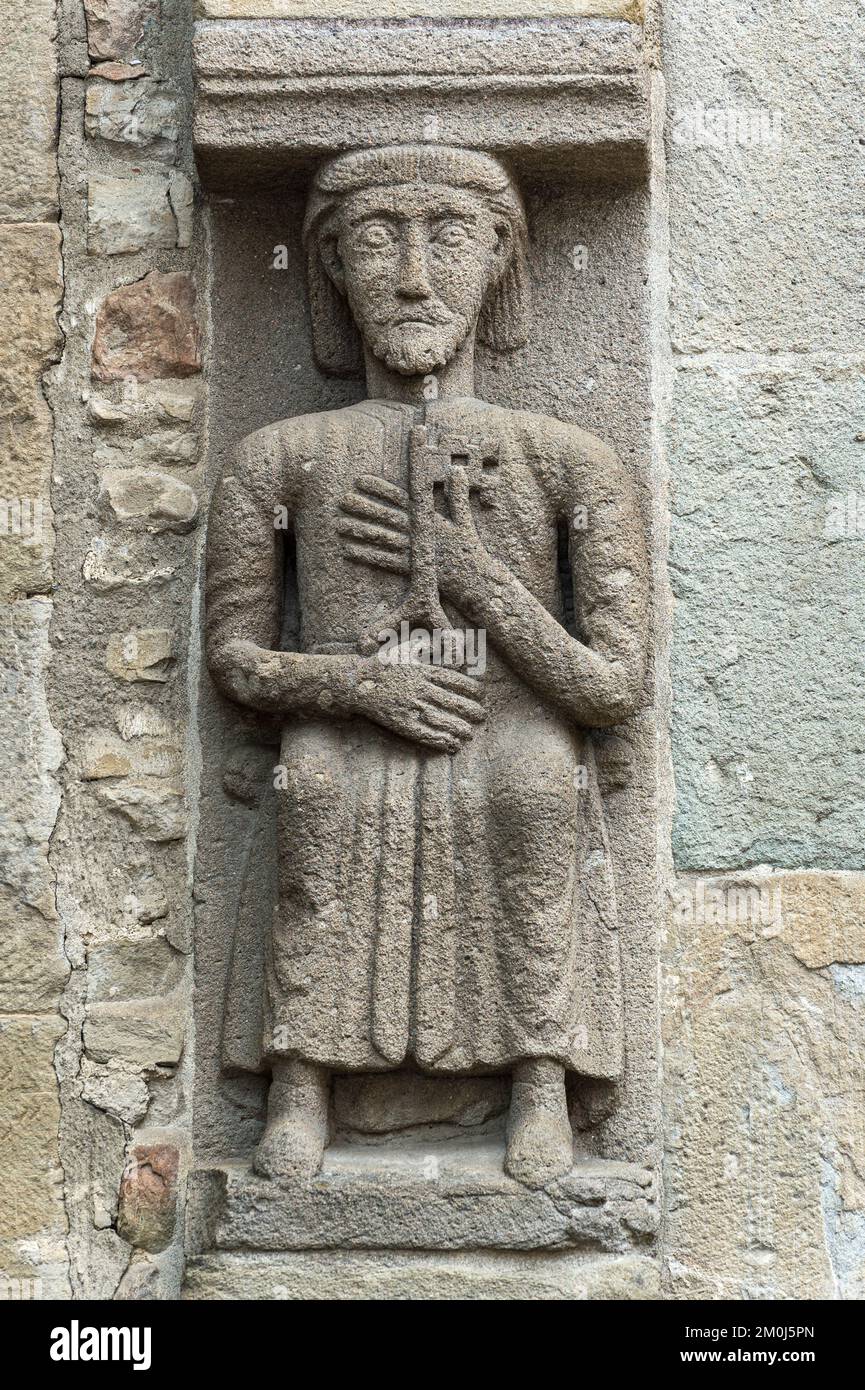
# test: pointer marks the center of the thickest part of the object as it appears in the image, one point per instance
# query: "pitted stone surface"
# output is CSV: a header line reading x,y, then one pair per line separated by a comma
x,y
156,501
148,330
147,1206
115,28
126,215
768,572
407,9
390,1276
567,96
30,295
446,1196
29,92
764,175
133,117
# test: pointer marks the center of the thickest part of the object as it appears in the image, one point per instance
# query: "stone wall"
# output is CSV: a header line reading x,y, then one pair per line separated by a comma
x,y
33,965
764,1042
98,619
758,395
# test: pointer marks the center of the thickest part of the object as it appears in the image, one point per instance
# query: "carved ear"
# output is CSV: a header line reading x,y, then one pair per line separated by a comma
x,y
328,250
503,323
336,342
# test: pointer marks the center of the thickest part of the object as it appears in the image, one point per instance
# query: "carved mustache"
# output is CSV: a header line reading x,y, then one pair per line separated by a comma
x,y
436,316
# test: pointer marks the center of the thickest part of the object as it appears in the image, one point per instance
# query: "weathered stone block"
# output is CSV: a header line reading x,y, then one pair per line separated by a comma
x,y
133,116
147,1208
139,719
30,295
764,183
146,1033
387,1275
116,1088
157,500
118,72
823,918
446,1196
148,1279
174,404
93,1159
28,112
115,28
148,330
31,1212
104,754
153,806
139,408
145,654
121,566
129,214
558,96
140,968
770,607
182,199
393,1101
33,968
764,1065
178,447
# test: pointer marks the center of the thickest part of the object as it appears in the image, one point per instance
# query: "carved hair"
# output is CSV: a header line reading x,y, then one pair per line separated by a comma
x,y
502,322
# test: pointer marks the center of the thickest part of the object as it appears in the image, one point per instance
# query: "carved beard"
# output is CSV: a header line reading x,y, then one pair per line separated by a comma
x,y
414,349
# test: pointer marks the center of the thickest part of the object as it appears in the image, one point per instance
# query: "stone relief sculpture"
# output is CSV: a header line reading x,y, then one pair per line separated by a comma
x,y
445,895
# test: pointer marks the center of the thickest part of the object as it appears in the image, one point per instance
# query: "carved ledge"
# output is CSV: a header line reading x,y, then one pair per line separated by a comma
x,y
563,98
449,1196
442,1276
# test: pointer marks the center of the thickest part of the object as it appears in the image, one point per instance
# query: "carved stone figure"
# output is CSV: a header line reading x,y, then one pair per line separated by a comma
x,y
446,897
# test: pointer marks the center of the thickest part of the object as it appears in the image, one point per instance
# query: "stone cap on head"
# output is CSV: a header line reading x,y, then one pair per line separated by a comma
x,y
443,164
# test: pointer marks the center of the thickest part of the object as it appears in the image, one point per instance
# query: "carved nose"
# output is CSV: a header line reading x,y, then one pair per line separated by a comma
x,y
413,279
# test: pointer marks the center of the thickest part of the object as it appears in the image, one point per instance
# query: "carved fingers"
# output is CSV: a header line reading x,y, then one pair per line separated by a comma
x,y
434,707
445,718
444,707
374,525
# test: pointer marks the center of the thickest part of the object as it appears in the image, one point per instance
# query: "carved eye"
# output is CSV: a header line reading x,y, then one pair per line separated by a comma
x,y
450,234
375,236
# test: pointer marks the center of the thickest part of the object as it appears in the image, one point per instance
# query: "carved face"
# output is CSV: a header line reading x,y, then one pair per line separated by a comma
x,y
415,262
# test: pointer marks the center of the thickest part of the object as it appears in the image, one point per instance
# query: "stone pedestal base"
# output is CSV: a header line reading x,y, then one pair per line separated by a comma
x,y
379,1275
378,1221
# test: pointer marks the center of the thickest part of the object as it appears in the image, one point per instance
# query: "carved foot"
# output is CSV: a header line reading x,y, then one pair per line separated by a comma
x,y
540,1145
292,1145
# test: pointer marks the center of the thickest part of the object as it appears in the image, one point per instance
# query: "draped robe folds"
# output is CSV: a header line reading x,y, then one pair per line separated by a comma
x,y
401,906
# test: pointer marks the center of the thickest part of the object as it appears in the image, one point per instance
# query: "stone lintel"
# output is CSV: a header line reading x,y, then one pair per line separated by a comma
x,y
559,98
448,1196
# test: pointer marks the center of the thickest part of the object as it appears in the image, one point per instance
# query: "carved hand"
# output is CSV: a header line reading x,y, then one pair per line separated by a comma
x,y
376,526
432,705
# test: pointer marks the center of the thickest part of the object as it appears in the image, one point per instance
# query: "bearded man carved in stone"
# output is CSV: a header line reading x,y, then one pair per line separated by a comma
x,y
446,897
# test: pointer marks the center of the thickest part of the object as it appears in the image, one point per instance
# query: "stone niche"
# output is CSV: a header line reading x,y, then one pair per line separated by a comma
x,y
412,1200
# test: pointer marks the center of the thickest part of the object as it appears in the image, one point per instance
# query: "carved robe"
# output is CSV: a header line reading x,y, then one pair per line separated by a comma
x,y
453,912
